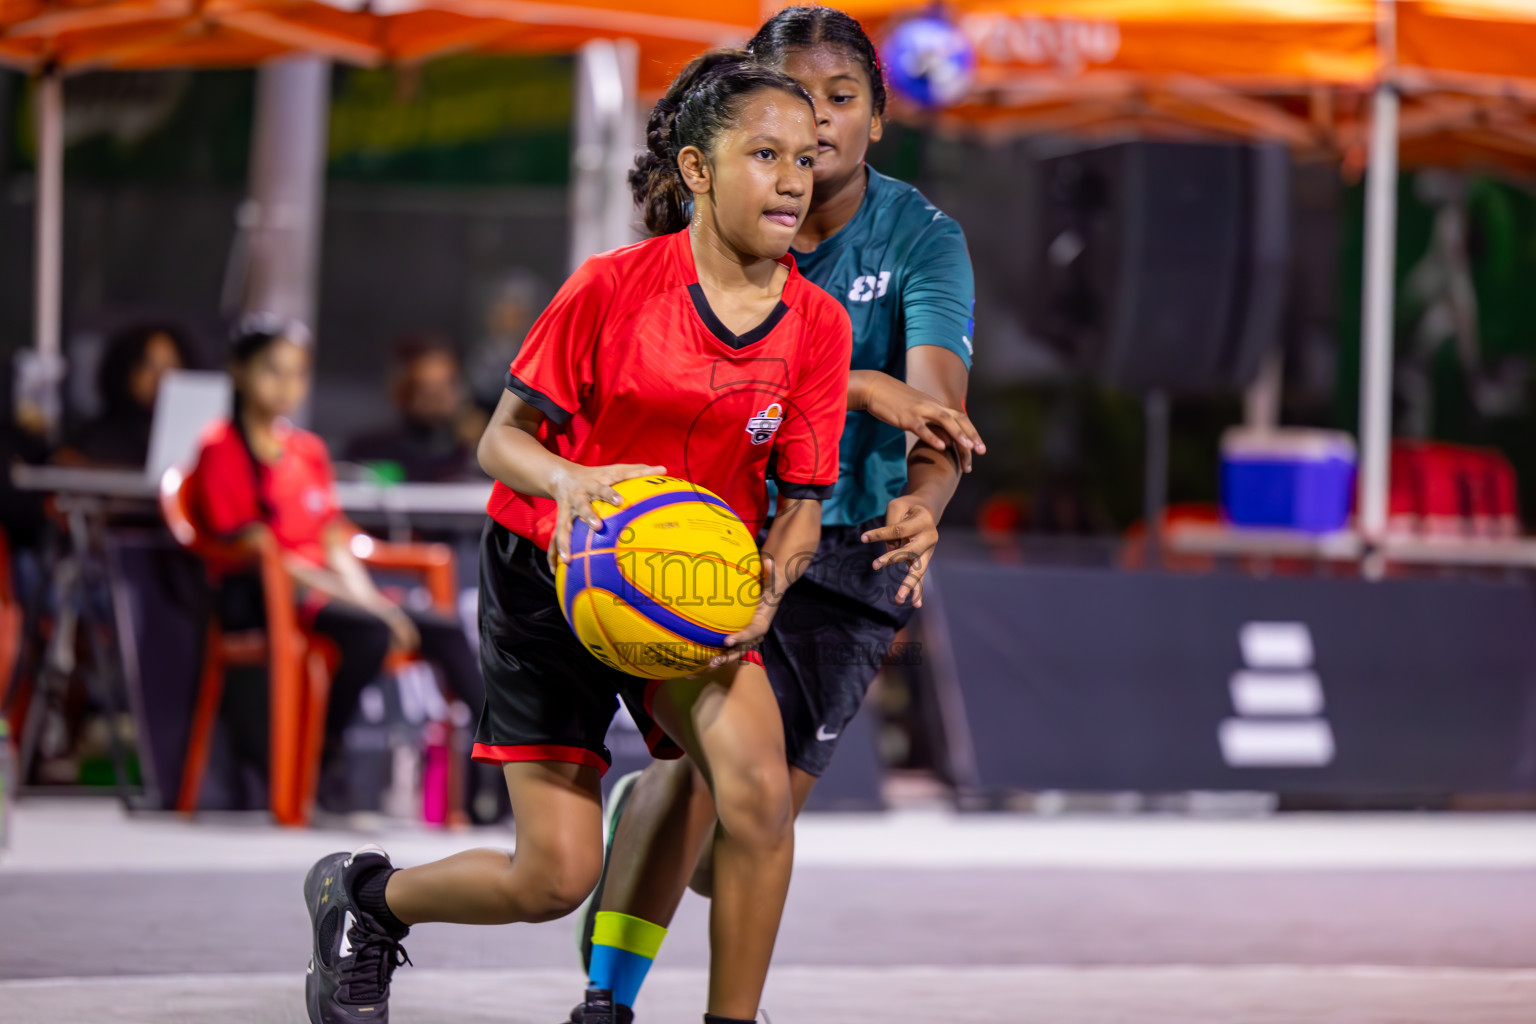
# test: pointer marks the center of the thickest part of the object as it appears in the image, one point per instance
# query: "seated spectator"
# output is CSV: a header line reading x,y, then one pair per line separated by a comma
x,y
127,381
430,443
257,476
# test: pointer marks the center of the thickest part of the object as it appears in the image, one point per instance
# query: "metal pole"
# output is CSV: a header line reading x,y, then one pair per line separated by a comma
x,y
607,134
43,372
284,211
50,210
1261,402
1376,314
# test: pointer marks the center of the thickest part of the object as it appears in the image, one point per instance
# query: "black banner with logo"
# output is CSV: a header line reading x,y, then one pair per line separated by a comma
x,y
1092,679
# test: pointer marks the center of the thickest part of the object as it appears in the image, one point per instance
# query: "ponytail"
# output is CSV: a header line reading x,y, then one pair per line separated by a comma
x,y
702,102
655,181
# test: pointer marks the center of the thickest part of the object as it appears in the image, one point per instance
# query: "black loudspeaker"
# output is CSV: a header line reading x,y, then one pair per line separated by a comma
x,y
1162,266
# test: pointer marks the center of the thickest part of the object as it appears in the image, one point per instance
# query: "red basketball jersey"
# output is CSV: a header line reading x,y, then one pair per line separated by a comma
x,y
629,364
298,490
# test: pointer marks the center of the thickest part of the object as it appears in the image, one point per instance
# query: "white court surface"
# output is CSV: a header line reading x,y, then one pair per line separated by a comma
x,y
908,995
917,917
99,836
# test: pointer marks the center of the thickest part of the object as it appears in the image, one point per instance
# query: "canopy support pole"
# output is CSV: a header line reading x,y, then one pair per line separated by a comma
x,y
1261,402
50,209
49,297
1376,313
607,135
283,215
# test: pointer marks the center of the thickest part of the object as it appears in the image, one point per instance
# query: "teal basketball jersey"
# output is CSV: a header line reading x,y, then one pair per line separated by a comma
x,y
901,269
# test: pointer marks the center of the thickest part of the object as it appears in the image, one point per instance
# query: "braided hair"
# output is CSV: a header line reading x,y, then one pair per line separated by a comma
x,y
802,28
701,104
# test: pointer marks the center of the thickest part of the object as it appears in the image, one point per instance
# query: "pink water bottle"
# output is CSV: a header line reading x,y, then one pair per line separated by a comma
x,y
434,774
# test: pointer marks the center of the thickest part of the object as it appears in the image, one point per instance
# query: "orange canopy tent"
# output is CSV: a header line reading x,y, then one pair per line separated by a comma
x,y
1299,72
1480,47
1270,68
85,34
1468,69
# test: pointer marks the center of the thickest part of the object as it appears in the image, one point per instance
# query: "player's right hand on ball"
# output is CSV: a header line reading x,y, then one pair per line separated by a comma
x,y
576,487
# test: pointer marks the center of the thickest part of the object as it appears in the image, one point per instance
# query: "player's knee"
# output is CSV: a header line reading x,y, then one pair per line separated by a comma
x,y
675,780
551,887
703,880
753,802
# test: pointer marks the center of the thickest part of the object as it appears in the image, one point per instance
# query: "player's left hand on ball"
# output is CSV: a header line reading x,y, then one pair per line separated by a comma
x,y
575,489
910,535
747,638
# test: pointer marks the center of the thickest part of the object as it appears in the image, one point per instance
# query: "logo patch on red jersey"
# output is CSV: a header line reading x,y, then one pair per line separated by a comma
x,y
762,426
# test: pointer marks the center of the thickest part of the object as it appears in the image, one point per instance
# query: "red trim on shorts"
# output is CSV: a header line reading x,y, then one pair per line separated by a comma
x,y
661,746
485,753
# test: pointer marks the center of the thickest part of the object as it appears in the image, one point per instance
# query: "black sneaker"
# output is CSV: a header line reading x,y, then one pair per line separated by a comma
x,y
618,799
599,1009
354,957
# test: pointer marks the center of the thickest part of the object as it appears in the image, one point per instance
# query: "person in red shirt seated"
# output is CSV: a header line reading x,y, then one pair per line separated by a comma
x,y
260,477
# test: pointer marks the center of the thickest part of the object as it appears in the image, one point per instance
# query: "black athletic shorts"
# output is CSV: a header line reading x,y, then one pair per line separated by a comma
x,y
829,639
546,697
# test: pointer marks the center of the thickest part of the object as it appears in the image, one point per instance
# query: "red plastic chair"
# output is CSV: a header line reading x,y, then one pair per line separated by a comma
x,y
299,664
1446,490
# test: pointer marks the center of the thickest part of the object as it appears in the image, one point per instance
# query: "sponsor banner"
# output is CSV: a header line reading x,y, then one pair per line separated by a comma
x,y
1092,679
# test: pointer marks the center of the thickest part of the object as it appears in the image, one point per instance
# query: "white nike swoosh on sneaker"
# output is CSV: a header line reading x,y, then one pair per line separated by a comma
x,y
823,735
346,938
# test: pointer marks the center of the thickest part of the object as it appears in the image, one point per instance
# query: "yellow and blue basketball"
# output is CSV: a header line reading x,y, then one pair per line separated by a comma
x,y
670,575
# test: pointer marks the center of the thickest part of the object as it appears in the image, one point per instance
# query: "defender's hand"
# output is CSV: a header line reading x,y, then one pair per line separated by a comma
x,y
910,535
901,405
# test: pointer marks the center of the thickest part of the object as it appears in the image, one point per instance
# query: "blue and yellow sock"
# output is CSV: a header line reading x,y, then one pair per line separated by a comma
x,y
623,949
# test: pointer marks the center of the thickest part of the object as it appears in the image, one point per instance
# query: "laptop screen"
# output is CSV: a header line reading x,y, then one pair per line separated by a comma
x,y
188,402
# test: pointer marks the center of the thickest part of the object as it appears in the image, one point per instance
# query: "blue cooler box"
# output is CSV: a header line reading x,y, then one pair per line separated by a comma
x,y
1287,479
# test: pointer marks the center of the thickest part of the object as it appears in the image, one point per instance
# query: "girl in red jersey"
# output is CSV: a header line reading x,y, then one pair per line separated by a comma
x,y
669,356
260,479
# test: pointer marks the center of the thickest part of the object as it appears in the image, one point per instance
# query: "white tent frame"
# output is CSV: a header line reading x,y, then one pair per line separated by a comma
x,y
1376,308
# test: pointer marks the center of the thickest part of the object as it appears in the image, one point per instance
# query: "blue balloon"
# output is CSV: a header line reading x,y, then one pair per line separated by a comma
x,y
930,62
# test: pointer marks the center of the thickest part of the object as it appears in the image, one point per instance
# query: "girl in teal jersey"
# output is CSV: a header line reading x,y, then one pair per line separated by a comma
x,y
900,268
